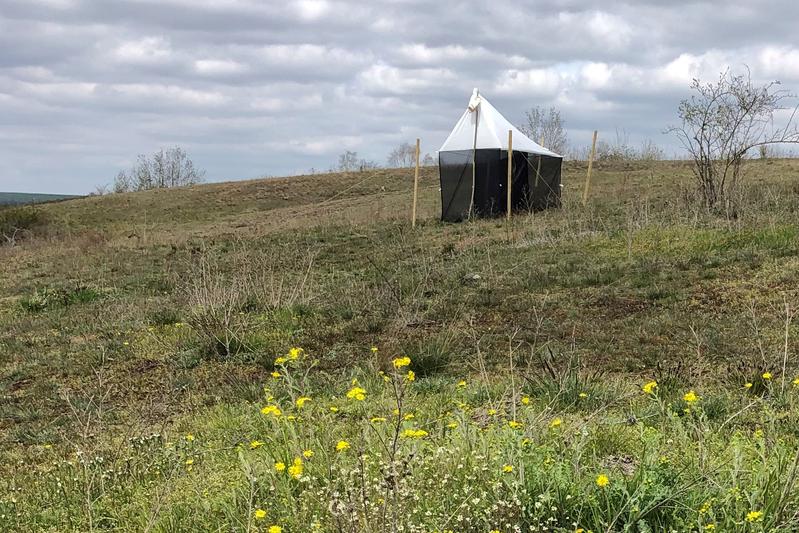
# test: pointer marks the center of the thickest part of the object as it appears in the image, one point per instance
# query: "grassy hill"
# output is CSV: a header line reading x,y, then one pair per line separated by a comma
x,y
139,335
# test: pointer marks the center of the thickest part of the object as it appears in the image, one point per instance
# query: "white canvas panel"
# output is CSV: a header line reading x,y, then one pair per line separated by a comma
x,y
492,131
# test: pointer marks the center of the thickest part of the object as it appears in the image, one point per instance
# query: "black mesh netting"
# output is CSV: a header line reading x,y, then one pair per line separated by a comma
x,y
535,183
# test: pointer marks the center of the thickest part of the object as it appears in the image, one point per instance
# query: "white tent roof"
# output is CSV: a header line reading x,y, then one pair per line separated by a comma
x,y
492,130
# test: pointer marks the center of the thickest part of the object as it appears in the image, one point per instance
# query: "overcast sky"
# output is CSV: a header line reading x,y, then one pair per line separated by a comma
x,y
276,87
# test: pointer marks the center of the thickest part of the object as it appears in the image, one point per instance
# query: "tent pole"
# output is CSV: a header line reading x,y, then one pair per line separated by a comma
x,y
474,160
538,170
590,167
415,186
510,168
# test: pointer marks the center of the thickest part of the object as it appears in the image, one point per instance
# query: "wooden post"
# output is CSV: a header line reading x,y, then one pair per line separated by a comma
x,y
510,169
590,167
538,170
415,186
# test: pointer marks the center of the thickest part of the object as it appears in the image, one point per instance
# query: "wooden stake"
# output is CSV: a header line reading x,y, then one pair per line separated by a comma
x,y
415,186
510,168
590,167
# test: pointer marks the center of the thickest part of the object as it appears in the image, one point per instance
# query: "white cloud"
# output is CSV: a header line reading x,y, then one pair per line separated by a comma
x,y
383,78
779,61
596,75
216,67
310,10
144,51
533,82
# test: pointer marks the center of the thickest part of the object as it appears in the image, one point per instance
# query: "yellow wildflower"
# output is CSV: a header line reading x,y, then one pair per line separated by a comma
x,y
333,409
650,387
525,400
280,466
301,401
295,470
452,425
507,469
401,362
602,480
356,393
281,361
190,437
377,419
461,384
411,375
795,382
189,462
492,412
256,444
408,416
583,395
273,410
295,353
275,529
374,349
754,516
767,376
260,514
748,385
555,422
342,445
690,397
414,434
710,527
514,424
275,374
307,454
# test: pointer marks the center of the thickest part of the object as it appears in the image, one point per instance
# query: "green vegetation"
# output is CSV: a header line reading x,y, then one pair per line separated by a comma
x,y
149,344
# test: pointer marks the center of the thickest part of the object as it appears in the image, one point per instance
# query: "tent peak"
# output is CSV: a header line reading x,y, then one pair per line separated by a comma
x,y
474,101
488,131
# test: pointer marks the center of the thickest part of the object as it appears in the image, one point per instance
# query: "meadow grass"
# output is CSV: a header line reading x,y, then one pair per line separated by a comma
x,y
142,335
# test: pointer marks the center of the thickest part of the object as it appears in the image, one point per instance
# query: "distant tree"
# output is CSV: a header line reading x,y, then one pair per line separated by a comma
x,y
164,169
548,123
367,164
722,122
403,155
428,161
348,161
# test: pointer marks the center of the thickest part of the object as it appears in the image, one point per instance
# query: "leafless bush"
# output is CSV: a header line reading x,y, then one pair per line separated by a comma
x,y
403,155
220,295
275,281
348,161
548,124
722,122
164,169
215,300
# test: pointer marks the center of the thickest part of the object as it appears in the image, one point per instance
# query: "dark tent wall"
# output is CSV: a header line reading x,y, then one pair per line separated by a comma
x,y
532,189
